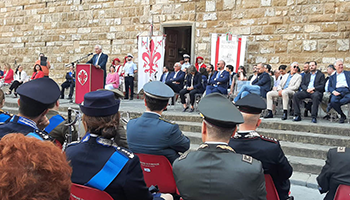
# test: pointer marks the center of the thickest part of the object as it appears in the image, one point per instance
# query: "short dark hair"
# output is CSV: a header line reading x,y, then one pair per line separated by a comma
x,y
32,109
314,62
35,67
155,104
211,67
230,67
331,66
268,67
283,67
307,63
298,69
203,71
219,133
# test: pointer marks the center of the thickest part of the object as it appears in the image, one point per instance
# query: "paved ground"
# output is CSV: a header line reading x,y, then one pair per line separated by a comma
x,y
304,193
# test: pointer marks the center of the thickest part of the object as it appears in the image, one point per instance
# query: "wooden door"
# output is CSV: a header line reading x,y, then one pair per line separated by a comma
x,y
171,54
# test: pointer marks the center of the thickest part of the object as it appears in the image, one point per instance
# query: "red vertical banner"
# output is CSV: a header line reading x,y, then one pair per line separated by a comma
x,y
217,53
238,53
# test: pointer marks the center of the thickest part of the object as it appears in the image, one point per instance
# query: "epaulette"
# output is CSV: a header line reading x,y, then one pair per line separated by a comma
x,y
168,121
247,159
341,149
126,152
225,147
203,146
270,139
184,155
43,134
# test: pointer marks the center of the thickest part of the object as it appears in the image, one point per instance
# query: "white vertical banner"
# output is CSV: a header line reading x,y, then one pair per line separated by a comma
x,y
243,50
214,39
150,59
228,50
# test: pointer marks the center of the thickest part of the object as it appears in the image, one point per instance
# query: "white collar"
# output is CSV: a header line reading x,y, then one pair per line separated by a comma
x,y
153,113
216,143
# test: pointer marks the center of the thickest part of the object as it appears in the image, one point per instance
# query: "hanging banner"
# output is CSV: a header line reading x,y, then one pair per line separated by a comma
x,y
229,48
150,59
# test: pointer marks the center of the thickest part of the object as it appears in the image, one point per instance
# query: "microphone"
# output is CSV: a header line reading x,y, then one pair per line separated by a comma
x,y
90,54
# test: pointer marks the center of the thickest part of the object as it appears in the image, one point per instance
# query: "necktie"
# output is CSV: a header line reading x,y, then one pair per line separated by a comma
x,y
218,75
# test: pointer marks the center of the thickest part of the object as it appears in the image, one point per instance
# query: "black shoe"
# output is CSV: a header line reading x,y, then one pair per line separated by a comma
x,y
62,97
70,98
306,113
165,109
285,115
297,118
327,117
191,110
314,120
342,119
184,110
131,99
269,114
126,98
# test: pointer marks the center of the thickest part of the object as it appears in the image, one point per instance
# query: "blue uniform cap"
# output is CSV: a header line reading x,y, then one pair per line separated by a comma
x,y
100,104
252,103
216,109
158,90
43,91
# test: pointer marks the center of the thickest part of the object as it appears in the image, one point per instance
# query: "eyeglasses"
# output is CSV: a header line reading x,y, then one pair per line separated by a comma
x,y
218,64
295,67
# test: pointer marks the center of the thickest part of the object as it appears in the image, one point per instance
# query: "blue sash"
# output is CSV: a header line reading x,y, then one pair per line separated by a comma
x,y
33,134
54,122
109,171
4,117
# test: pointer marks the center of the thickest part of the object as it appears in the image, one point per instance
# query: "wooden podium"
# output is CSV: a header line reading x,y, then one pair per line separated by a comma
x,y
88,78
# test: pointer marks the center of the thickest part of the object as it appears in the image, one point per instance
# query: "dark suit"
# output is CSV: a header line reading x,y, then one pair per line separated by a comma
x,y
218,84
337,101
216,172
180,77
101,62
167,78
316,96
204,83
264,82
197,87
335,172
274,162
88,158
151,134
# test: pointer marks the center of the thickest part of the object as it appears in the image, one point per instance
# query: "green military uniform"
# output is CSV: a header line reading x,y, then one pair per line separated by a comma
x,y
215,170
60,131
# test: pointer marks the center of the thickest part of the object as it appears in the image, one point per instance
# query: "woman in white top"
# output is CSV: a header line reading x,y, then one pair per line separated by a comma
x,y
20,77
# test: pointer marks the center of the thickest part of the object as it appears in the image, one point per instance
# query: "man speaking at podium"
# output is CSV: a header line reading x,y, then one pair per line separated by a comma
x,y
99,60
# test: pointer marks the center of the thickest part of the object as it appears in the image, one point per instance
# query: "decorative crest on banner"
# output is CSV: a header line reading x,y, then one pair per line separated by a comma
x,y
151,56
82,77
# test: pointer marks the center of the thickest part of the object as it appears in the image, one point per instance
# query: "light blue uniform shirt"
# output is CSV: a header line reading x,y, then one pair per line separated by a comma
x,y
129,68
312,80
341,80
288,81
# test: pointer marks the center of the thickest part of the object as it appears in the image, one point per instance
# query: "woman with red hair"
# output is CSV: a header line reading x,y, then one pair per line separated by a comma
x,y
32,169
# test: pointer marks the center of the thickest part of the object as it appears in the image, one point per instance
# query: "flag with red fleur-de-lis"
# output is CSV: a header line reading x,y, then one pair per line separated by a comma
x,y
150,59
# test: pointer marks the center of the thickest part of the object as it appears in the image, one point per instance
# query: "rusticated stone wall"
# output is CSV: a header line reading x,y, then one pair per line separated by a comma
x,y
280,31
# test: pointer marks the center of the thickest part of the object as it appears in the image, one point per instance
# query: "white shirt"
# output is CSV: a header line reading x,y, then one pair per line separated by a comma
x,y
99,55
341,80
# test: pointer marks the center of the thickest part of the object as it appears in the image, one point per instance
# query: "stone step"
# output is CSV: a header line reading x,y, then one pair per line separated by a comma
x,y
306,137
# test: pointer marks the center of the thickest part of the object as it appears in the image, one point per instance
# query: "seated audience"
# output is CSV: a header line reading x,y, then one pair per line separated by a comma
x,y
334,172
8,74
289,84
339,84
4,116
252,77
112,79
150,133
219,80
38,72
229,68
199,63
215,170
193,86
32,169
268,70
312,86
88,158
240,76
166,74
260,85
20,77
267,150
69,83
326,95
177,79
308,104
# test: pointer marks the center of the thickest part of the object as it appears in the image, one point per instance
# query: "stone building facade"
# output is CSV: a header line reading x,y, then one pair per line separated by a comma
x,y
279,31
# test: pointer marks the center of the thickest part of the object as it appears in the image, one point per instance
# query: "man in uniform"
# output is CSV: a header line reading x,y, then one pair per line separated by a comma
x,y
57,128
335,172
36,98
215,170
130,69
267,150
150,133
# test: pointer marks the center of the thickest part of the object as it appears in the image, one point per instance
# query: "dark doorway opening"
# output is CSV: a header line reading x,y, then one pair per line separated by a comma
x,y
178,43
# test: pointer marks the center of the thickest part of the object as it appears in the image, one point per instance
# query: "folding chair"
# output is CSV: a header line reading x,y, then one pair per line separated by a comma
x,y
343,193
157,170
79,192
270,188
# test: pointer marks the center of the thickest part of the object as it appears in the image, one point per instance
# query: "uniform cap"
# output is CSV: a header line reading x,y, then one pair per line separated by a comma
x,y
117,93
158,90
186,56
216,109
100,104
130,55
252,103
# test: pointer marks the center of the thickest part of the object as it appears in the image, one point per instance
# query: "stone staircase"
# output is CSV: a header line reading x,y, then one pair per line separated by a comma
x,y
305,144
